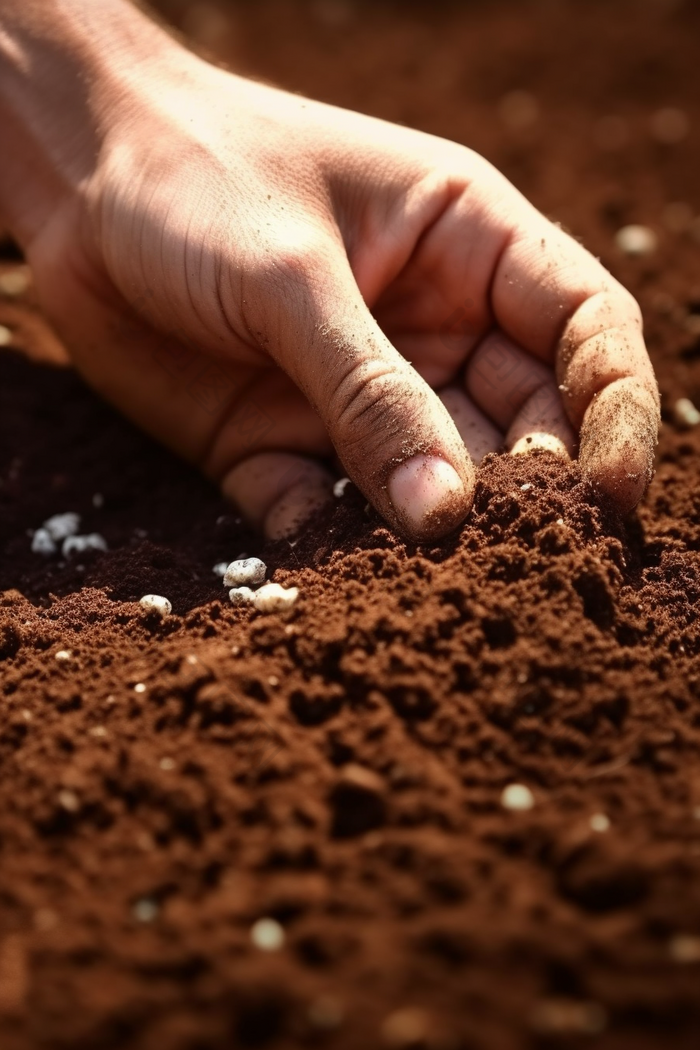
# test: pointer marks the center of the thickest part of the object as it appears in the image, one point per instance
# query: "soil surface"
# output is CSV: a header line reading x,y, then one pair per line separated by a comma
x,y
165,785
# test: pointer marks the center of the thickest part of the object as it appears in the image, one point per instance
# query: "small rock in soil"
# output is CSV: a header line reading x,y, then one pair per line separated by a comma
x,y
685,413
274,598
517,797
241,595
78,544
61,526
267,934
42,542
636,240
156,603
247,572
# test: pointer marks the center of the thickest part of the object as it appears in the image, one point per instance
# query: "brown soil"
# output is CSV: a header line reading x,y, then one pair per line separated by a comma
x,y
341,770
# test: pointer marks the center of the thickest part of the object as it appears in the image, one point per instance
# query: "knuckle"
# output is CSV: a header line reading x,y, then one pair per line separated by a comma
x,y
295,259
368,407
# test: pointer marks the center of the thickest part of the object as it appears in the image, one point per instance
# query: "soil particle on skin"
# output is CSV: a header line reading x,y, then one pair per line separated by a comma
x,y
228,828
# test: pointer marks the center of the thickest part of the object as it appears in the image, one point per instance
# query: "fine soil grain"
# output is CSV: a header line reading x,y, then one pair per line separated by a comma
x,y
165,784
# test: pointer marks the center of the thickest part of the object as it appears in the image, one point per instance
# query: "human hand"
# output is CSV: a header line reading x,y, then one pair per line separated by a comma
x,y
233,255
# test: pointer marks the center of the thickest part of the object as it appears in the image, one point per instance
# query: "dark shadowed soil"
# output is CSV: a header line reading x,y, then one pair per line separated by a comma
x,y
166,784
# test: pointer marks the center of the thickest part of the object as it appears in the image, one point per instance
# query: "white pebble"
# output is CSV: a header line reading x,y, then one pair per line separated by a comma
x,y
636,240
63,655
220,568
247,572
267,934
340,487
685,413
5,336
600,822
139,687
156,603
517,797
60,526
560,521
526,487
42,542
274,598
241,595
145,910
92,542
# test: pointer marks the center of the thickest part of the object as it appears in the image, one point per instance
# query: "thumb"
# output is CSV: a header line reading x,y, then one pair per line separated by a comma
x,y
393,435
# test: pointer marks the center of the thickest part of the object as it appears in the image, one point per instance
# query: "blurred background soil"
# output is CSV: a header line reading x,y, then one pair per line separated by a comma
x,y
341,772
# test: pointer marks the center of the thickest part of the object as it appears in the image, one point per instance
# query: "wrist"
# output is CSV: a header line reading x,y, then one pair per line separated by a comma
x,y
70,72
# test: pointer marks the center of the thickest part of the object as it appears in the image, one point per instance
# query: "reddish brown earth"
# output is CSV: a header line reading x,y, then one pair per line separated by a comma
x,y
341,770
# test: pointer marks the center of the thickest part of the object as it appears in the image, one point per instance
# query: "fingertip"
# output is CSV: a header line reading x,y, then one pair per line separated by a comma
x,y
429,497
538,441
278,491
294,508
618,440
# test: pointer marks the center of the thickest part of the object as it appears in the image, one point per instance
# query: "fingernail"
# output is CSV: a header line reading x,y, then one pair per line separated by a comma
x,y
428,496
540,441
